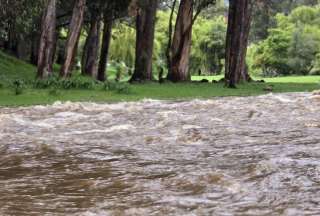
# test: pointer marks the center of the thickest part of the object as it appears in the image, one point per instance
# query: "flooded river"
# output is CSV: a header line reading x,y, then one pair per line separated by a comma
x,y
225,156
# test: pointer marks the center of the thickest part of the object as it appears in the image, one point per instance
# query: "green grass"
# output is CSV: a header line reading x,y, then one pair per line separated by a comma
x,y
11,69
286,79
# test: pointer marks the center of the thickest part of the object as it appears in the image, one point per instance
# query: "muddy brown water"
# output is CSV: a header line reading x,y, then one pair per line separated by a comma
x,y
225,156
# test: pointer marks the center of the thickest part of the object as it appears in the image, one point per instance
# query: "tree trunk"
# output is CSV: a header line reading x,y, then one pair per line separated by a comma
x,y
34,48
170,29
106,39
145,25
73,37
47,40
181,44
60,50
91,49
237,42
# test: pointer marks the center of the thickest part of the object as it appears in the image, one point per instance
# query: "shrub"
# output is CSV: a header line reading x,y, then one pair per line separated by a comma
x,y
77,82
291,47
80,82
121,88
46,83
18,86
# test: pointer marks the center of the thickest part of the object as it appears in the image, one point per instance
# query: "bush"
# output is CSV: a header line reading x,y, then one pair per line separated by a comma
x,y
121,88
77,82
18,86
291,47
46,83
80,82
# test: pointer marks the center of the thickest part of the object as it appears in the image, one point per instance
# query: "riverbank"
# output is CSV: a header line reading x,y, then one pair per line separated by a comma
x,y
25,94
168,91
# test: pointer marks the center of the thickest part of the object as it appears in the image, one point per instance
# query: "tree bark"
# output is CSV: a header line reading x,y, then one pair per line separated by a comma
x,y
47,40
106,39
91,49
170,29
237,42
73,37
181,43
145,26
35,41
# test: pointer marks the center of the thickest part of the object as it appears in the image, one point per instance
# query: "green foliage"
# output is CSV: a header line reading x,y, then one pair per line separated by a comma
x,y
21,16
305,15
304,47
54,84
122,46
46,83
76,82
18,86
121,88
292,46
208,43
265,11
124,91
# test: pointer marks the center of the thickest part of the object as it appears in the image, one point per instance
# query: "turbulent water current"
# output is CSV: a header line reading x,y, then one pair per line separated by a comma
x,y
224,156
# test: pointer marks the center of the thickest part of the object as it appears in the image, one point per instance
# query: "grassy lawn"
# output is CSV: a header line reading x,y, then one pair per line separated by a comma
x,y
287,79
11,69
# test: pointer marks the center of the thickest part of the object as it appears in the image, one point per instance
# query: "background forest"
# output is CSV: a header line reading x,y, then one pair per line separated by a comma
x,y
284,38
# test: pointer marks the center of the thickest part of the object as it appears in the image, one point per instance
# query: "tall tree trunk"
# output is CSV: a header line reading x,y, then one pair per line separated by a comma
x,y
73,37
170,29
181,44
47,40
145,25
60,51
91,49
55,44
106,39
34,49
35,41
237,42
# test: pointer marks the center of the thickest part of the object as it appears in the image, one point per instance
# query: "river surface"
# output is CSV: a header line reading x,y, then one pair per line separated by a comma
x,y
225,156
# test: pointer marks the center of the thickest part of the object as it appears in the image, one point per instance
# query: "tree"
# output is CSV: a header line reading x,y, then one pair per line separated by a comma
x,y
112,10
181,43
239,20
91,48
179,48
145,27
47,38
18,21
264,12
106,38
291,46
73,37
